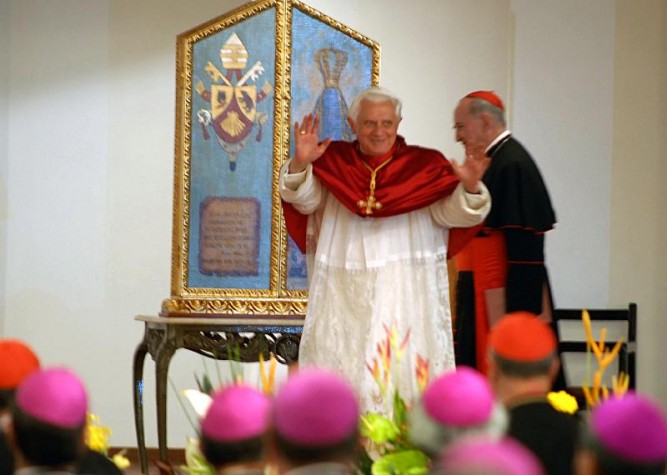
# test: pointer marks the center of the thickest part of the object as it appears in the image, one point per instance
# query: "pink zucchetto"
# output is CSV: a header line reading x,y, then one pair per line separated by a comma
x,y
17,361
55,396
316,408
457,404
485,456
459,398
237,413
633,428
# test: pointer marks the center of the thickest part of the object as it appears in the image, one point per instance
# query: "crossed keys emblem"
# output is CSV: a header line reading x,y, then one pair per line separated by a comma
x,y
233,106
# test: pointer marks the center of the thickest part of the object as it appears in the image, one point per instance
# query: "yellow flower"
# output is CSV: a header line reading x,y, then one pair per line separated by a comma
x,y
563,402
384,351
610,355
375,371
97,435
401,349
392,335
268,380
392,338
97,439
121,461
620,384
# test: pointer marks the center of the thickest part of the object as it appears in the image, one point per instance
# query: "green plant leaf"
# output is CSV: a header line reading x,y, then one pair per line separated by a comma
x,y
204,385
400,410
409,462
378,428
197,465
364,464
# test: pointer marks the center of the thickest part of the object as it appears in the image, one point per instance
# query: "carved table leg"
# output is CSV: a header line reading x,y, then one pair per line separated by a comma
x,y
162,359
138,390
162,340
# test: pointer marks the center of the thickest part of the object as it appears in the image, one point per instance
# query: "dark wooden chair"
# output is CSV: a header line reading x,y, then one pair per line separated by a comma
x,y
620,322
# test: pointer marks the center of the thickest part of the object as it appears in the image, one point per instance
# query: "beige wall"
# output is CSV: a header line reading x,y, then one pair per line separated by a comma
x,y
639,222
4,136
562,112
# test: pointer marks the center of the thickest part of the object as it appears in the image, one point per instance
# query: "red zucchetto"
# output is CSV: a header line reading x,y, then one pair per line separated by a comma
x,y
522,337
17,361
488,96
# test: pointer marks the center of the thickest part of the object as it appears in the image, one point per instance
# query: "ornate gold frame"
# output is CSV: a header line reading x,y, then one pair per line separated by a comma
x,y
277,300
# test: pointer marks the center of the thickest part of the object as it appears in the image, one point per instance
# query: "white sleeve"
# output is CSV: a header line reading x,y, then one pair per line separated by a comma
x,y
462,209
303,190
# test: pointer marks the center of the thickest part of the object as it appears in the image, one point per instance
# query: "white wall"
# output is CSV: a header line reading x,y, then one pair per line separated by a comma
x,y
433,52
639,222
86,178
56,285
562,111
4,126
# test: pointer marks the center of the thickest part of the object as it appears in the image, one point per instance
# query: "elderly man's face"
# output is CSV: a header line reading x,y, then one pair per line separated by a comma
x,y
376,127
468,128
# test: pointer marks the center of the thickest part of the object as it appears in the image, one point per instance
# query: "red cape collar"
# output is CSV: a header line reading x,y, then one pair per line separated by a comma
x,y
415,177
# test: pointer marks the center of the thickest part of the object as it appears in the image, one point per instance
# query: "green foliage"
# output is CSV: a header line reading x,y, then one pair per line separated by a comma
x,y
400,411
204,385
364,464
199,466
196,463
405,462
389,438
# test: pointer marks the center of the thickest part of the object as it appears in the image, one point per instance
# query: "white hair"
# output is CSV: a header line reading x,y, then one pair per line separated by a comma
x,y
432,436
374,94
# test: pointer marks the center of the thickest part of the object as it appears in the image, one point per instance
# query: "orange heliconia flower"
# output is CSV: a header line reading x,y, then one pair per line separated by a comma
x,y
604,358
422,371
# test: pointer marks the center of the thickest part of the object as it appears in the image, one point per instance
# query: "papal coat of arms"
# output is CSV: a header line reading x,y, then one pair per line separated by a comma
x,y
241,78
233,97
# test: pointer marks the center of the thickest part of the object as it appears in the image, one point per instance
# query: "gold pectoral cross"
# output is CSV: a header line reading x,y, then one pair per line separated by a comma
x,y
371,203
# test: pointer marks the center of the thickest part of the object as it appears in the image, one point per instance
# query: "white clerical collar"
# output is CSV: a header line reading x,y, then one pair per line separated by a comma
x,y
498,139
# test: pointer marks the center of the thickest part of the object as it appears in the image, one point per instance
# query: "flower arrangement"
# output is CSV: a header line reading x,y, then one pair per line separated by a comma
x,y
597,391
97,439
200,400
388,449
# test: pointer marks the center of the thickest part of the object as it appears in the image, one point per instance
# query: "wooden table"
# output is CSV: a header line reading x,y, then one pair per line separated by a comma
x,y
245,337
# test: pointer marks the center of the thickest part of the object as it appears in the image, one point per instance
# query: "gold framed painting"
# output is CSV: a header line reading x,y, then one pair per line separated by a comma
x,y
242,80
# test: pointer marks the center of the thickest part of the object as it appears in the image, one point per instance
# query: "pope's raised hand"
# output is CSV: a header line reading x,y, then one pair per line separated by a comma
x,y
473,168
307,147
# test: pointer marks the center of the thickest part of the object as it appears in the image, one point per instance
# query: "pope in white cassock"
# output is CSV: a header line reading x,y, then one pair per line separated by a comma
x,y
373,217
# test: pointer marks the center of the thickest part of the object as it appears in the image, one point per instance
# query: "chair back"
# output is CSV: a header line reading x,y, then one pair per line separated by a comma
x,y
572,347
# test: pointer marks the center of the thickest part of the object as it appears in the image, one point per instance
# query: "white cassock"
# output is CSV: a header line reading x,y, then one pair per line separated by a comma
x,y
369,274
